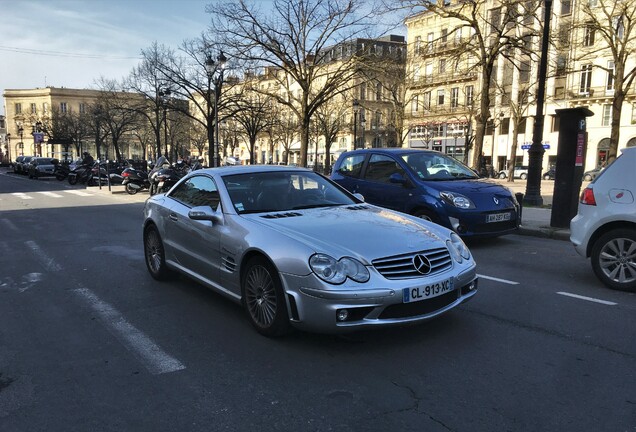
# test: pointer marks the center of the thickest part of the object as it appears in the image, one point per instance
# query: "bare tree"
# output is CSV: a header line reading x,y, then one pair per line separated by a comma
x,y
328,123
614,23
252,113
296,40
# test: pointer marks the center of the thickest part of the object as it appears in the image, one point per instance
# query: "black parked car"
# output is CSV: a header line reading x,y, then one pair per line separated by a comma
x,y
549,175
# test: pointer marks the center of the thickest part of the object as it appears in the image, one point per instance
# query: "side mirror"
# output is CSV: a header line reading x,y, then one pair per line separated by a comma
x,y
359,196
397,178
205,213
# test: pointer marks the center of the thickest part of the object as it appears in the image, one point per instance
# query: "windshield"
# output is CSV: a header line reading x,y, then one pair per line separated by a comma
x,y
437,166
283,191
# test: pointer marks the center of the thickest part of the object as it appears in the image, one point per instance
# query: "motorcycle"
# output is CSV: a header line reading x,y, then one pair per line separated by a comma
x,y
61,170
81,173
169,176
135,180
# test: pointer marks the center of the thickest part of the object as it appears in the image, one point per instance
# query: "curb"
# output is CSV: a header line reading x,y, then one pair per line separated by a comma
x,y
562,234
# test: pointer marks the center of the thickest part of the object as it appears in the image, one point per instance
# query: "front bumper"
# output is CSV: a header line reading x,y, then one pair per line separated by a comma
x,y
314,308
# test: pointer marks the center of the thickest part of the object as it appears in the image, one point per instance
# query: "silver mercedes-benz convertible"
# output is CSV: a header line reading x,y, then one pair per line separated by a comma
x,y
297,250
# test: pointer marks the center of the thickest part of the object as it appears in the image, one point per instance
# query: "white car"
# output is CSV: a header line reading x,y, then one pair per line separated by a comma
x,y
605,225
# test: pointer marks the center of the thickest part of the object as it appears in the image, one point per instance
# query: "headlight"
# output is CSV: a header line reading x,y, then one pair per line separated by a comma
x,y
457,248
337,271
457,200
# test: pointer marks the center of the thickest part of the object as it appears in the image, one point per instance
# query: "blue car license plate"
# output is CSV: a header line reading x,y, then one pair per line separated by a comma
x,y
410,295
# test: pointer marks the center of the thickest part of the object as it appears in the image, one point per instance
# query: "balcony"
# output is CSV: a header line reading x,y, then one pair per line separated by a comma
x,y
441,79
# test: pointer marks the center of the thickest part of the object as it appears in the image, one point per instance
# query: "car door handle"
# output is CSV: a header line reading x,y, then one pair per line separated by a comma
x,y
173,217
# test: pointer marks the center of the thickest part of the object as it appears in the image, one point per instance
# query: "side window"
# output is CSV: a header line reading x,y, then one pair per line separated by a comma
x,y
351,166
381,167
197,191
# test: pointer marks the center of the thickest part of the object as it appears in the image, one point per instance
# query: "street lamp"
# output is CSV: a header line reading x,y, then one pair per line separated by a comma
x,y
533,185
363,122
356,108
215,75
164,94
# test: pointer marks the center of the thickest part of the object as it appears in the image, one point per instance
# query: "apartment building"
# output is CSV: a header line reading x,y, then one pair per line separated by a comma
x,y
443,82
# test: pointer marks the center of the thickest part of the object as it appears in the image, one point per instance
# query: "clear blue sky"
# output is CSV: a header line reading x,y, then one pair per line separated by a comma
x,y
71,43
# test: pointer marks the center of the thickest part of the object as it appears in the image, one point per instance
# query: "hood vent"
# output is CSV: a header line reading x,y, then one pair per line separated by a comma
x,y
281,215
358,207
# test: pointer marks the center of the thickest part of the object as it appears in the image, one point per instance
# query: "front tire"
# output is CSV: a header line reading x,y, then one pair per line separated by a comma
x,y
502,175
155,255
263,298
131,190
426,215
72,179
614,259
523,176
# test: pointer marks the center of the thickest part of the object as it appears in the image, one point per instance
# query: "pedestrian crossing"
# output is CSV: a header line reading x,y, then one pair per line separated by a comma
x,y
57,194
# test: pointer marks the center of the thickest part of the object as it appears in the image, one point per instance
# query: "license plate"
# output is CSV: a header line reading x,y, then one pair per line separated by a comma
x,y
498,217
410,295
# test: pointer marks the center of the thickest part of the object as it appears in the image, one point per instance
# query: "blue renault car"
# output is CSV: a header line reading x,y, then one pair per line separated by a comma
x,y
430,185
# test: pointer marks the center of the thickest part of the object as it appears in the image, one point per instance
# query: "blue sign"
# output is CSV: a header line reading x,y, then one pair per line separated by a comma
x,y
527,146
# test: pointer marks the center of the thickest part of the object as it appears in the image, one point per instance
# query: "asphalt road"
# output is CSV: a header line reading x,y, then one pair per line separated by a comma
x,y
89,342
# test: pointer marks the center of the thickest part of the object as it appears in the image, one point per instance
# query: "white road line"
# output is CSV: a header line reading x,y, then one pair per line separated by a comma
x,y
150,354
591,299
21,195
51,194
10,225
78,193
505,281
48,262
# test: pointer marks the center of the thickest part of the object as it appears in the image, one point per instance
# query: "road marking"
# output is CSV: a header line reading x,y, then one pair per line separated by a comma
x,y
21,195
591,299
505,281
48,262
150,354
78,193
51,194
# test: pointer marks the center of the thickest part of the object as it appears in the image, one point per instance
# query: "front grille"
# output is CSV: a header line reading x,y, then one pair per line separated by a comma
x,y
424,307
402,267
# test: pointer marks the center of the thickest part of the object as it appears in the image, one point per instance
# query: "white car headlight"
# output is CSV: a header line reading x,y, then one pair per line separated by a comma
x,y
457,248
457,200
337,271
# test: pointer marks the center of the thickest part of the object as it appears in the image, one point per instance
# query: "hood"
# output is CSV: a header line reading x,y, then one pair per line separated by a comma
x,y
357,230
480,191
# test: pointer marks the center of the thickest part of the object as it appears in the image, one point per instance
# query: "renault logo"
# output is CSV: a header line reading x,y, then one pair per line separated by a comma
x,y
495,200
422,264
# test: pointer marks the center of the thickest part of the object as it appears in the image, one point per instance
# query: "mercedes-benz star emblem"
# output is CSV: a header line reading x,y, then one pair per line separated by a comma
x,y
495,200
422,264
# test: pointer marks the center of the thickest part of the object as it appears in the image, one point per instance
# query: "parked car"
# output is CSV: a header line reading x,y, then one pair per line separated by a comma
x,y
295,249
549,174
604,228
519,171
456,198
40,167
22,164
592,174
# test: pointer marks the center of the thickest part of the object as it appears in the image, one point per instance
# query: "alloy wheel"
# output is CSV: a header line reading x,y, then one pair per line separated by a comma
x,y
260,296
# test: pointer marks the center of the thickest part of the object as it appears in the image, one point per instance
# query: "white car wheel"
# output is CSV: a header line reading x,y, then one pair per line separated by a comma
x,y
614,259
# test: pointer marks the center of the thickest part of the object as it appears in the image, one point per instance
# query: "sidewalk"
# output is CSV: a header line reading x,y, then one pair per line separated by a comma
x,y
535,221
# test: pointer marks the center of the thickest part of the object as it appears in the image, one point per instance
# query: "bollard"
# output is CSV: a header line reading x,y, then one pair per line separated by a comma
x,y
519,197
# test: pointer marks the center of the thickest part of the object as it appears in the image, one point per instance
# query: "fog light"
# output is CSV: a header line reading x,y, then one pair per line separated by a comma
x,y
342,314
461,229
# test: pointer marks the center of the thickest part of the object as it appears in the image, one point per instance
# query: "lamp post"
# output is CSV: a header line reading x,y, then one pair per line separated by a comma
x,y
8,138
215,76
164,94
21,145
356,107
363,122
533,185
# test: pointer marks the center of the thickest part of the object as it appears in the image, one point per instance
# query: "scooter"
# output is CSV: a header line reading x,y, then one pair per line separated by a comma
x,y
134,180
82,173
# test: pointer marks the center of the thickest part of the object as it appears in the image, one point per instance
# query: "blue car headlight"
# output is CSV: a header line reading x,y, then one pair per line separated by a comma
x,y
457,248
335,271
457,200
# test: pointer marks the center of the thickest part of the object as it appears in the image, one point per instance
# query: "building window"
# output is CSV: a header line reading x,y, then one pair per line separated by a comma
x,y
618,26
440,97
559,93
566,7
470,95
561,64
378,92
377,119
427,100
588,38
45,106
524,71
586,79
363,91
34,108
429,41
415,105
607,115
633,113
63,107
458,36
444,37
442,66
611,70
495,20
416,72
428,69
18,108
418,44
454,98
82,108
